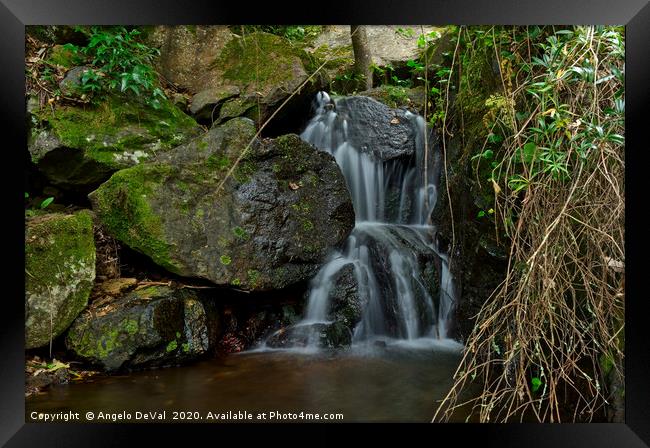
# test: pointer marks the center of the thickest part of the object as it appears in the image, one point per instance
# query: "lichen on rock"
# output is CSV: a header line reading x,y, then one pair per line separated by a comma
x,y
266,226
148,327
78,146
59,273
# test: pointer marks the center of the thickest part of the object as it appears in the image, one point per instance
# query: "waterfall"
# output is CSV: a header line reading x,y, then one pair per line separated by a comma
x,y
393,202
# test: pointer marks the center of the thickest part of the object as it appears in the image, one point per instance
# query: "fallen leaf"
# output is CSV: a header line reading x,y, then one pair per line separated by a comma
x,y
395,120
293,186
615,265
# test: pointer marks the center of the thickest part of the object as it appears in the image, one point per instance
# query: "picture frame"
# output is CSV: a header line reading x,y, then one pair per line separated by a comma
x,y
634,14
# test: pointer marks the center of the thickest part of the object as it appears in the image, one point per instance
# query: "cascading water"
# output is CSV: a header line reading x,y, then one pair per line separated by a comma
x,y
393,199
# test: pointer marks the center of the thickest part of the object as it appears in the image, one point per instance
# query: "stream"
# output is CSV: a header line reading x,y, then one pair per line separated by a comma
x,y
392,383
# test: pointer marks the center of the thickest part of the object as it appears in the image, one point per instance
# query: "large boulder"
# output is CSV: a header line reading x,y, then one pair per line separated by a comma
x,y
389,44
188,53
373,127
82,146
266,226
59,273
248,75
152,326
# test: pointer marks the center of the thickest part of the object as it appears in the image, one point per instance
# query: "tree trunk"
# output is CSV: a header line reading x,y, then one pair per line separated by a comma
x,y
362,58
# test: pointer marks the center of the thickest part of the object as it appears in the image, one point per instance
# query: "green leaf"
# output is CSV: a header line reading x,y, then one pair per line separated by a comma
x,y
481,214
46,202
535,383
528,152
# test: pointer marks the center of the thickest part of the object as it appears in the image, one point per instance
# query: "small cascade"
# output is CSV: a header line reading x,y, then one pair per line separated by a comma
x,y
393,241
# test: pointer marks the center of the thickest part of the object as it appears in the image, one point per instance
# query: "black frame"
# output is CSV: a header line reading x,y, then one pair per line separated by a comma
x,y
15,14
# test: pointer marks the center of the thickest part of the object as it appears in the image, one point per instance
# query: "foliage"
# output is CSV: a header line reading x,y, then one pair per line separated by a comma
x,y
552,158
295,33
118,62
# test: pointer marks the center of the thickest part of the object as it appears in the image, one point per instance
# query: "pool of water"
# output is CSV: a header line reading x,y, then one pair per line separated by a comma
x,y
384,383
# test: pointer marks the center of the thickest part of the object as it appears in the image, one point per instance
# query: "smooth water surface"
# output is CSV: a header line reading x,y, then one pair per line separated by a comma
x,y
393,383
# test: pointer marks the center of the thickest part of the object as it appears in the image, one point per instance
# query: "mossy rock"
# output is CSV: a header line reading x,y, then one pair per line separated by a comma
x,y
268,68
59,273
398,97
152,326
82,146
268,225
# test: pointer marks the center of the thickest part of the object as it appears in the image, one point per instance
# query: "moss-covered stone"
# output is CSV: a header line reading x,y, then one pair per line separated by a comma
x,y
248,229
76,146
59,273
61,56
154,327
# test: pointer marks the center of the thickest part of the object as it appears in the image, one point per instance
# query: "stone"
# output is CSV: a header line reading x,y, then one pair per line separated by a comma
x,y
266,224
152,326
59,273
206,102
82,146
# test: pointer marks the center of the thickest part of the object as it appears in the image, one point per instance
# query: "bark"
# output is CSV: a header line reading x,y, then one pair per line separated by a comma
x,y
362,58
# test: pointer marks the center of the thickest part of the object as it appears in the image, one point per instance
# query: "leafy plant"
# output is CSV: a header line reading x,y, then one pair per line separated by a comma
x,y
119,62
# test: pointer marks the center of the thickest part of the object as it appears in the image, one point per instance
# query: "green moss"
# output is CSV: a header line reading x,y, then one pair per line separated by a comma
x,y
173,345
185,347
253,277
59,254
59,55
225,260
131,326
113,131
217,162
307,225
240,233
260,58
123,205
244,171
236,282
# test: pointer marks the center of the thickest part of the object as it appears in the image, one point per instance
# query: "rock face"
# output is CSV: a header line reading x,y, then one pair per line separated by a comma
x,y
148,327
266,226
387,45
187,54
399,97
240,75
375,128
60,270
82,146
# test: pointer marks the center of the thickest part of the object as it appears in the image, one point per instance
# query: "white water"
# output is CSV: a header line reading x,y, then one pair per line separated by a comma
x,y
386,240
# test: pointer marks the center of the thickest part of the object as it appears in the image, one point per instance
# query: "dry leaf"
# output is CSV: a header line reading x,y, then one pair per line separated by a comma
x,y
395,120
496,187
615,265
293,186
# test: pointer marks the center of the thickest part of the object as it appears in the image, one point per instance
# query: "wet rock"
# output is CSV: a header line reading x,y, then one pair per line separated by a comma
x,y
375,128
59,273
345,301
152,326
268,225
82,146
411,99
325,335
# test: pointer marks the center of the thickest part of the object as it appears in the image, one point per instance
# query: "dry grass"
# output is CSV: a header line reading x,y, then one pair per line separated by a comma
x,y
548,343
